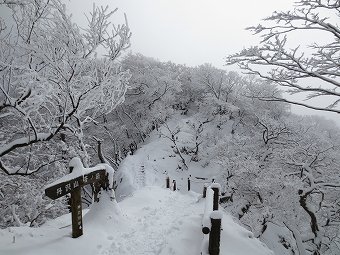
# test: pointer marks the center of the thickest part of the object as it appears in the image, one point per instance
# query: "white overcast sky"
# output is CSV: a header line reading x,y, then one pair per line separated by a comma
x,y
190,32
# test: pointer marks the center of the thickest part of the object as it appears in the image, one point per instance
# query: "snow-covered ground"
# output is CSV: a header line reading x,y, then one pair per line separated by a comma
x,y
156,159
152,221
148,219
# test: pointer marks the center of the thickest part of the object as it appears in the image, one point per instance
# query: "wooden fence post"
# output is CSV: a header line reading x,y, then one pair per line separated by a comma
x,y
167,182
216,188
215,233
189,184
174,185
205,190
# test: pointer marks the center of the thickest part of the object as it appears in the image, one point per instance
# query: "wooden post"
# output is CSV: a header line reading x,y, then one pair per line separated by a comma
x,y
216,197
167,182
189,184
216,188
215,233
205,190
76,212
174,182
106,182
94,192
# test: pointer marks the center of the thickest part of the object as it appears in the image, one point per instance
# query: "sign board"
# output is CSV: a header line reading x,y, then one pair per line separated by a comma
x,y
63,188
73,186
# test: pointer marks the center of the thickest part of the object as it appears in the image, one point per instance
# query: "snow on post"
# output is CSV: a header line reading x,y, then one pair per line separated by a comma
x,y
109,179
216,215
205,245
215,185
215,232
206,224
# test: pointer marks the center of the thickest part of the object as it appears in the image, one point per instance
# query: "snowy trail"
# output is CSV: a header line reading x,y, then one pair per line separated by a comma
x,y
155,160
153,221
162,222
140,178
155,225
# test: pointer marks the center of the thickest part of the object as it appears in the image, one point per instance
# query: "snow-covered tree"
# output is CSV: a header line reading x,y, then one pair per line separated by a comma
x,y
310,69
285,172
55,78
215,82
153,89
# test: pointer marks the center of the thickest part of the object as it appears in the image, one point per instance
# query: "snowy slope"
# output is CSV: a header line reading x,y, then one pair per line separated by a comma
x,y
152,221
155,160
148,219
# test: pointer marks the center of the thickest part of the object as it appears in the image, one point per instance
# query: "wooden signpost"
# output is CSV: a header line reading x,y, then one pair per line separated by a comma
x,y
98,178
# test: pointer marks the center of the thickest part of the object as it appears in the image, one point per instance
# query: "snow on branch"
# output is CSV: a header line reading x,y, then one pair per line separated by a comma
x,y
276,61
53,77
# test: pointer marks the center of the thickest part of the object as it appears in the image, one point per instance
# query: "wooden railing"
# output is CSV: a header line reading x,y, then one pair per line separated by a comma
x,y
212,218
211,221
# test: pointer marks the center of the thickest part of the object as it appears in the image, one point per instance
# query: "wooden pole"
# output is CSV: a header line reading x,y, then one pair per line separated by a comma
x,y
216,188
215,233
205,190
76,212
174,185
106,182
167,182
216,197
189,186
